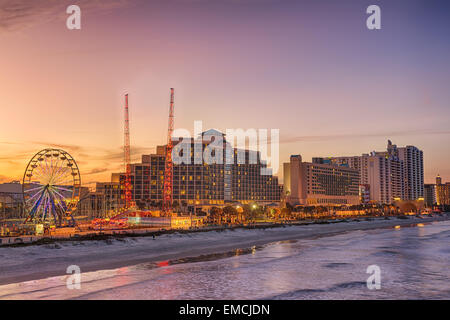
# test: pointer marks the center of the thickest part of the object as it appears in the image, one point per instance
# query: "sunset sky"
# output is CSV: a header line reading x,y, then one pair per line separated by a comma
x,y
309,68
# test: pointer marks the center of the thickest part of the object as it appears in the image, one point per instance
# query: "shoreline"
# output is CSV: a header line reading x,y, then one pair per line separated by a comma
x,y
150,232
31,262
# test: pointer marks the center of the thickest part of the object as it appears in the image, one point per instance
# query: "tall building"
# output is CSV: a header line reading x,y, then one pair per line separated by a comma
x,y
320,183
396,173
364,193
442,192
438,180
412,159
195,182
287,179
385,178
429,195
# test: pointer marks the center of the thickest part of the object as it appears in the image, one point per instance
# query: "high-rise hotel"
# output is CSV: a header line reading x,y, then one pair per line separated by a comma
x,y
204,182
396,173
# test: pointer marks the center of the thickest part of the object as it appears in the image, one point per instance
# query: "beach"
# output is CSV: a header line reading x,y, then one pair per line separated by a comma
x,y
18,264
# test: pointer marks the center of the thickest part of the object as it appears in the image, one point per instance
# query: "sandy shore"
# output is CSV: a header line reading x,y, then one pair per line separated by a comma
x,y
18,264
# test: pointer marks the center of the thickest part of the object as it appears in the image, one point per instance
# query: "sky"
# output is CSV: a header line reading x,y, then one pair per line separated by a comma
x,y
311,69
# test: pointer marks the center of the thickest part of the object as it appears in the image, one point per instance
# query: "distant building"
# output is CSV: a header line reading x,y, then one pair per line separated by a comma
x,y
442,192
396,173
12,190
286,179
429,195
385,177
412,159
100,202
11,199
364,193
320,183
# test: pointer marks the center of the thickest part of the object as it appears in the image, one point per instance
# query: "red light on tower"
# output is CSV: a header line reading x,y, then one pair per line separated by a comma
x,y
168,174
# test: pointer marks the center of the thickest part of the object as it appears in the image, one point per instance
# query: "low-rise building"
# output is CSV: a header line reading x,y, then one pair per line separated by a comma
x,y
11,200
101,202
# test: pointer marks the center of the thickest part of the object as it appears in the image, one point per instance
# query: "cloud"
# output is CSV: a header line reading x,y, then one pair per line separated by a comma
x,y
4,179
360,135
65,147
117,155
20,14
87,153
96,170
16,156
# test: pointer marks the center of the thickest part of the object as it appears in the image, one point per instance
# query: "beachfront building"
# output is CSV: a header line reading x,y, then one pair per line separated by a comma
x,y
320,183
364,193
201,181
396,173
429,195
442,192
413,173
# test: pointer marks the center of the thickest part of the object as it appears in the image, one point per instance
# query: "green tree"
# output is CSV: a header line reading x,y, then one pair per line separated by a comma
x,y
230,213
216,215
247,212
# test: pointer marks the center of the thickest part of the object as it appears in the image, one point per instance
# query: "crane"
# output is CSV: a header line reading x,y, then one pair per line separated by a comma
x,y
127,165
168,172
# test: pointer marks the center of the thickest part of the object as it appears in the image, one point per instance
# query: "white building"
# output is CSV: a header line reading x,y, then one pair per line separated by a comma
x,y
412,159
396,173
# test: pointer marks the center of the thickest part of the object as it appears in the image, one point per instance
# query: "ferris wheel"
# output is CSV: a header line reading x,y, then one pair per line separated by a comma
x,y
51,186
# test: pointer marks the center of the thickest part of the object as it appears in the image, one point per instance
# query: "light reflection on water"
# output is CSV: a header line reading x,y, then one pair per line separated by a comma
x,y
413,260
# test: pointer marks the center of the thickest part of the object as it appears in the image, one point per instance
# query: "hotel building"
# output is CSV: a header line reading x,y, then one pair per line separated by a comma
x,y
396,173
412,159
320,183
442,192
429,194
195,182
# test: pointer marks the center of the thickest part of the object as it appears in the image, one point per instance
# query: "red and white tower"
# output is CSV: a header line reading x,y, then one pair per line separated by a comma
x,y
126,149
168,172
